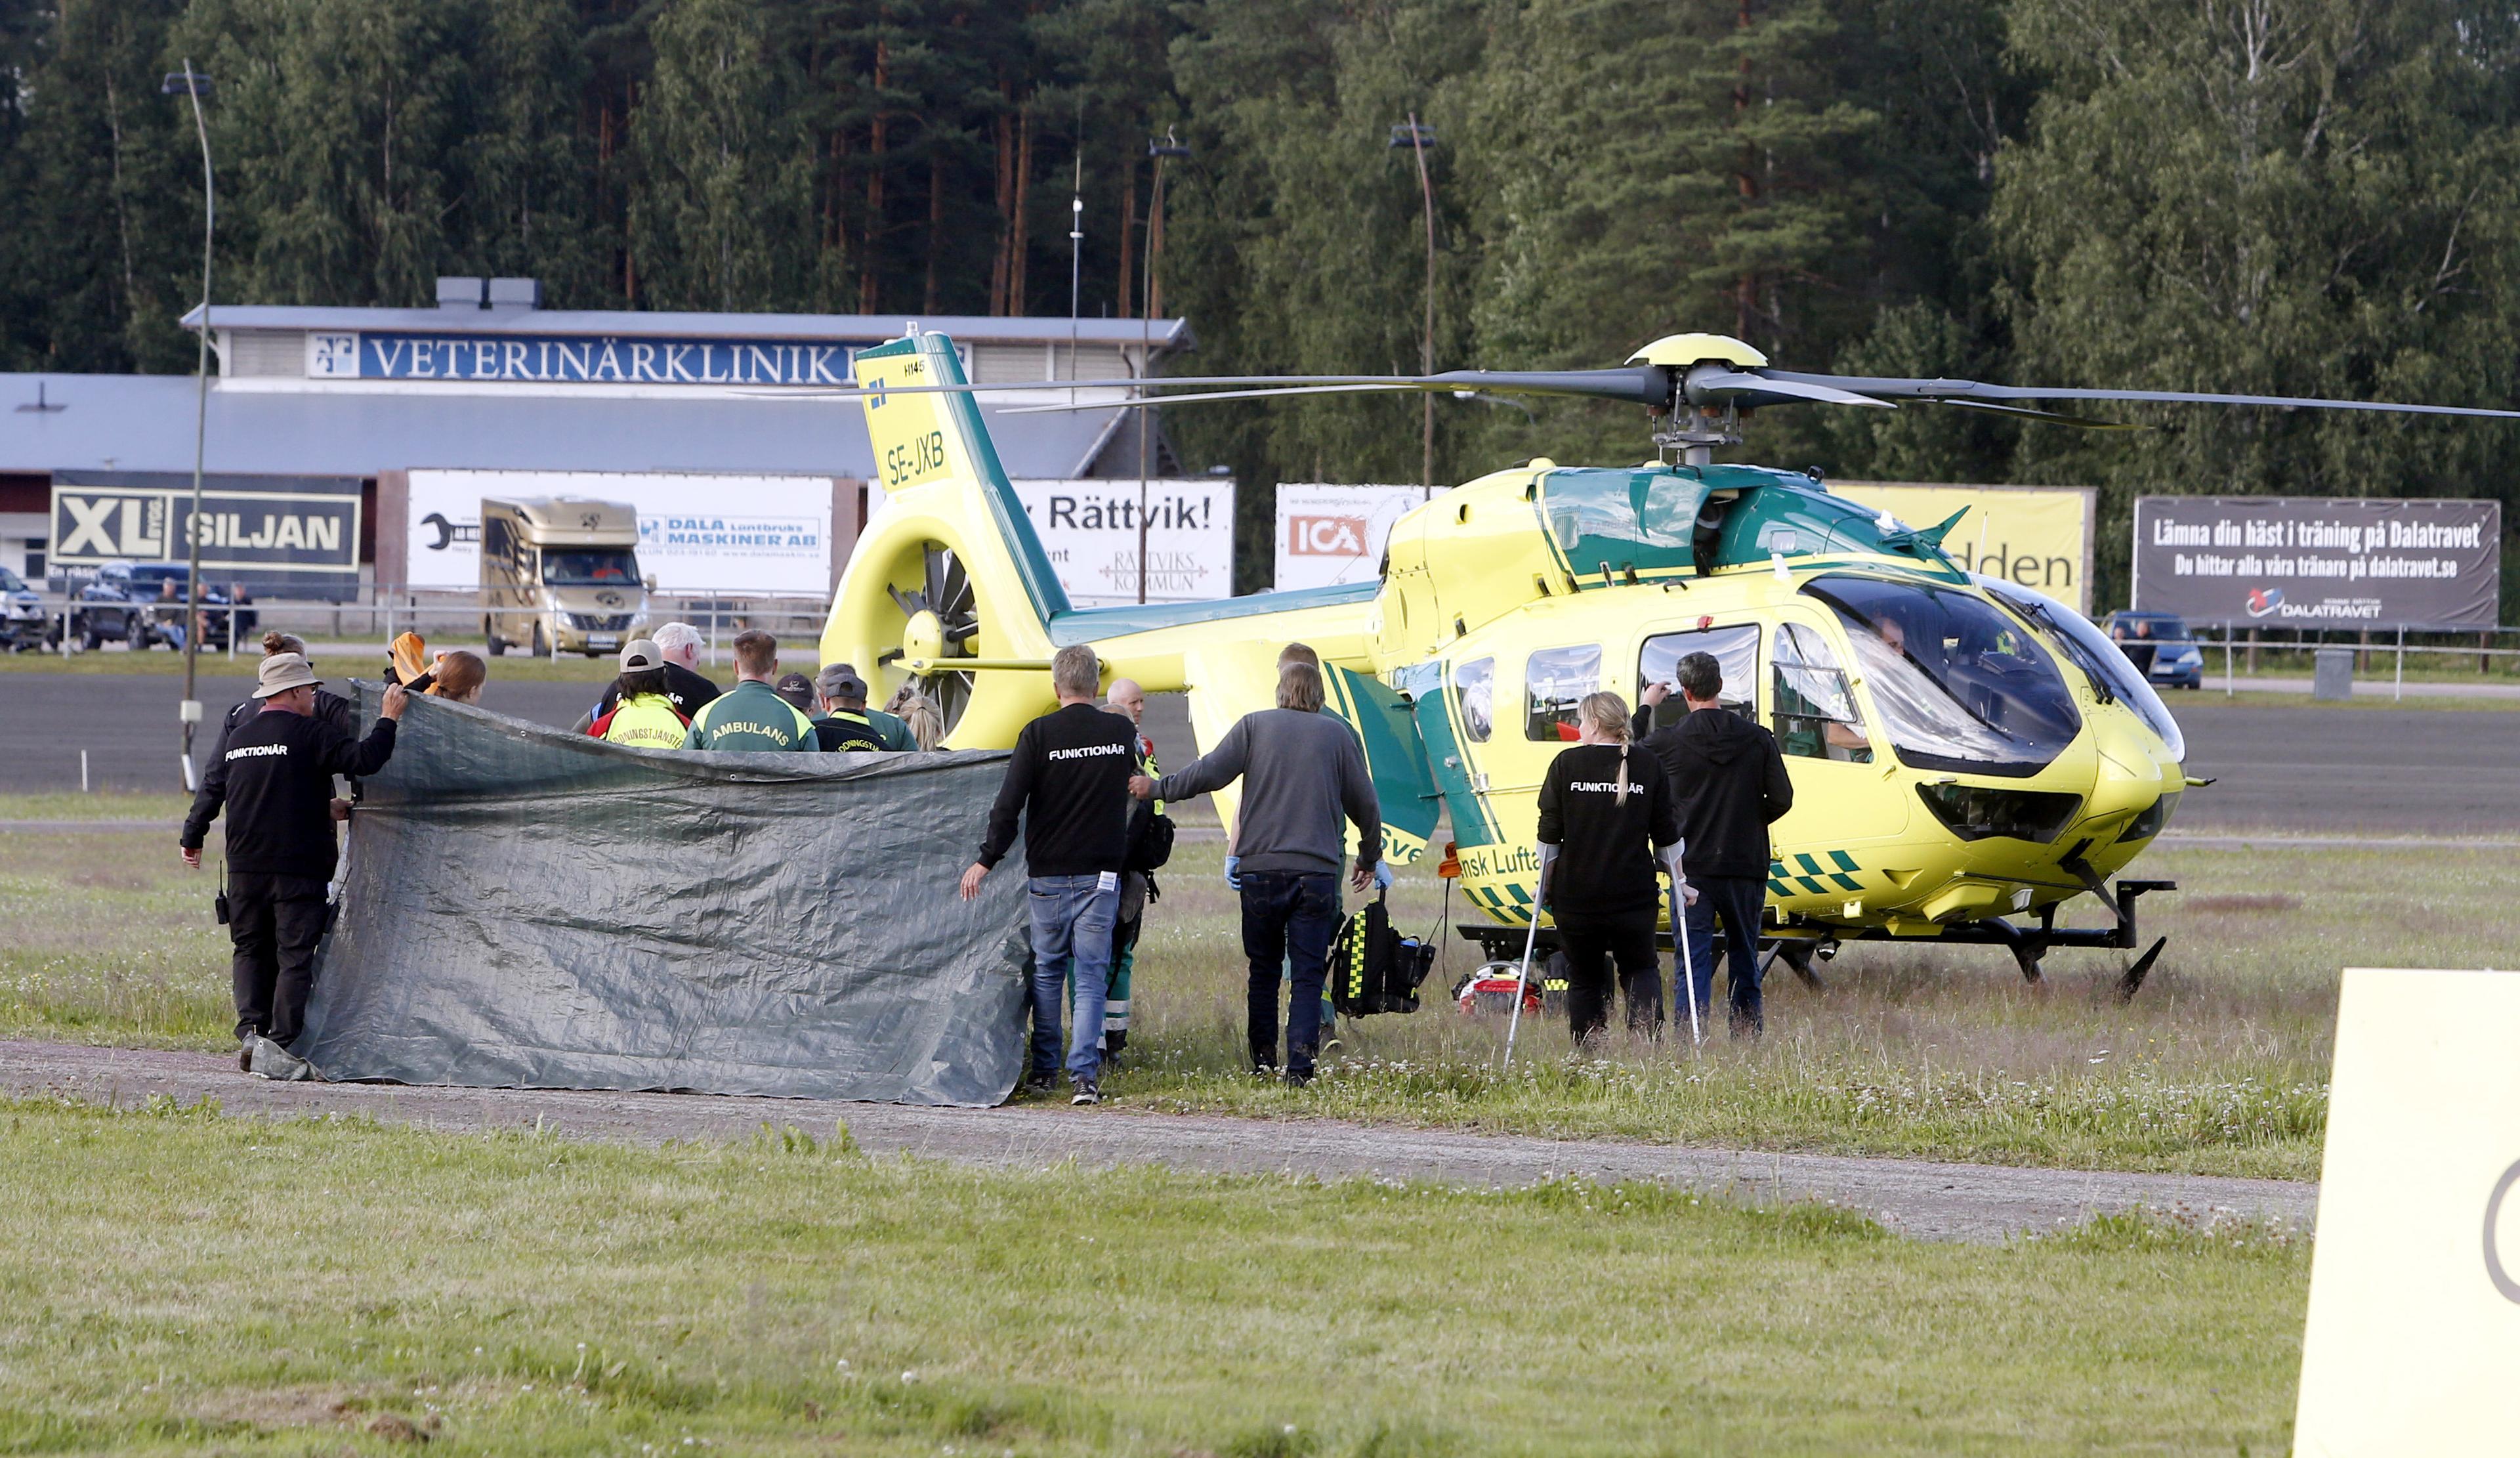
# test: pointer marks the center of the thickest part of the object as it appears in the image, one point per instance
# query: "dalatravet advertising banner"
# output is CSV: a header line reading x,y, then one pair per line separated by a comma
x,y
1090,530
2038,536
1330,535
294,534
758,535
2319,561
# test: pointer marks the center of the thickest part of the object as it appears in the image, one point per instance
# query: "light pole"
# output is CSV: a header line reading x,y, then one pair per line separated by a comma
x,y
1170,147
192,83
1075,261
1418,139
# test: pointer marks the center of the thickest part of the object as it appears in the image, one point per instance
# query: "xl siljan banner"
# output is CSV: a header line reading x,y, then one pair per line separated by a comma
x,y
2038,536
1330,535
750,535
297,535
2319,561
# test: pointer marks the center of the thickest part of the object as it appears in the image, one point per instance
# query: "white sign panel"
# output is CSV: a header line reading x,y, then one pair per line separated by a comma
x,y
758,535
1327,536
1090,529
2415,1285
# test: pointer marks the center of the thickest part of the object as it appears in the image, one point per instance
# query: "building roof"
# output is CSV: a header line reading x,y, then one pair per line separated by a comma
x,y
145,422
1166,334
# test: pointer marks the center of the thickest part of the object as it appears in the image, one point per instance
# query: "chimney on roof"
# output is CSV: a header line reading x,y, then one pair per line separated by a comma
x,y
462,293
516,293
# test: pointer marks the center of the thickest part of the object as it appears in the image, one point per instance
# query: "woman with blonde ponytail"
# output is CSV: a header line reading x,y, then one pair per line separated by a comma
x,y
1605,812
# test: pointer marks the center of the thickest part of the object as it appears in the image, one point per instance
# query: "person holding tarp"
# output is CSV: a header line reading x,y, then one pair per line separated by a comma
x,y
751,717
643,714
1068,780
1602,828
1730,779
274,778
1302,771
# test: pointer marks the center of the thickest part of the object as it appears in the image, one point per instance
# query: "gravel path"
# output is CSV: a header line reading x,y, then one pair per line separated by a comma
x,y
1925,1199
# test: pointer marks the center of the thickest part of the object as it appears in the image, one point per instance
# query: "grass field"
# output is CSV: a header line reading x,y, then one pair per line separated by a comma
x,y
181,1282
2219,1067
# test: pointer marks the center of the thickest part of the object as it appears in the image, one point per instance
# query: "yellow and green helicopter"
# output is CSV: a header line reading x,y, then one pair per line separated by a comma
x,y
1964,751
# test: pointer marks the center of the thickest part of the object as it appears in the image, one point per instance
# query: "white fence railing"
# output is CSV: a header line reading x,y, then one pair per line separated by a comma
x,y
378,615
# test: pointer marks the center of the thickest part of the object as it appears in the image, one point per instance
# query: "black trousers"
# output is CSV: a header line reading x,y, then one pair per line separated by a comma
x,y
1735,901
275,920
1288,920
1624,939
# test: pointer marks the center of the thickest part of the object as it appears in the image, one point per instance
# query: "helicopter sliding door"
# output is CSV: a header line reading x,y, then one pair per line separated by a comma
x,y
1734,647
1833,756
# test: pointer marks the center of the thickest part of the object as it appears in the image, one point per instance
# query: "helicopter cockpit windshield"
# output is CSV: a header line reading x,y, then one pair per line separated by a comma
x,y
1959,685
2112,675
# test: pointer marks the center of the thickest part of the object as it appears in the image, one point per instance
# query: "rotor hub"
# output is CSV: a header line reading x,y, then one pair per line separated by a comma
x,y
923,638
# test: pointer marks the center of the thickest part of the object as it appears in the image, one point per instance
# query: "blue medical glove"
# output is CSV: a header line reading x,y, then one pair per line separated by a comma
x,y
1382,876
1234,873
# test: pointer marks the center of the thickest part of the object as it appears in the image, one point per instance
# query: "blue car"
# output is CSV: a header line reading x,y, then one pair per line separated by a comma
x,y
2178,662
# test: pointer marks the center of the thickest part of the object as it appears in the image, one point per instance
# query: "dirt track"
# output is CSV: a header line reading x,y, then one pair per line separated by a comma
x,y
1927,1201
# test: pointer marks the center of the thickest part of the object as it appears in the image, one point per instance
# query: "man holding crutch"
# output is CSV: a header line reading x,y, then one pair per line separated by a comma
x,y
1730,779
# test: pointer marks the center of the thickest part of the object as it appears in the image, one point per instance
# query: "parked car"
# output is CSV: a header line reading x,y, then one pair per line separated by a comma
x,y
101,610
24,625
156,593
2178,662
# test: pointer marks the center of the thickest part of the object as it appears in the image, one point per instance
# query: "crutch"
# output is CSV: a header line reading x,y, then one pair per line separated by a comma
x,y
1680,940
1522,980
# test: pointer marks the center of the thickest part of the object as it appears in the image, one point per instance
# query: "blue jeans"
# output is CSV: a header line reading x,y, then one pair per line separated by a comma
x,y
1072,917
1737,900
1288,919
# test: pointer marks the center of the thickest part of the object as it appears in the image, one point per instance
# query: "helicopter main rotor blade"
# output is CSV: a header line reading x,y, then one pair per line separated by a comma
x,y
1144,403
855,393
1714,384
1642,384
1955,390
2053,417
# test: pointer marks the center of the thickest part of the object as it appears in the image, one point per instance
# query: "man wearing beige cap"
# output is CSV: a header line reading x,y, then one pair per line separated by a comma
x,y
274,777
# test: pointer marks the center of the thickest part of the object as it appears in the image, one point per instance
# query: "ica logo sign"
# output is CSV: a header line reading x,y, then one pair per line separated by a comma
x,y
1325,537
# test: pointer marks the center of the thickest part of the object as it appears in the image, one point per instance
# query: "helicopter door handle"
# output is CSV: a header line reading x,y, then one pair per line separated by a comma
x,y
1451,761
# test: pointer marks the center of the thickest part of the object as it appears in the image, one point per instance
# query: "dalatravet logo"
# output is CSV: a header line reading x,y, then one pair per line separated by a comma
x,y
2265,601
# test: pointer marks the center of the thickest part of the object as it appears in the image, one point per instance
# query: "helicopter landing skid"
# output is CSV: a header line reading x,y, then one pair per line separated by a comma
x,y
2030,944
1802,948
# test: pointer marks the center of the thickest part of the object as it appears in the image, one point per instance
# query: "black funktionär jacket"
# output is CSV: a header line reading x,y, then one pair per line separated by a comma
x,y
1730,783
274,777
1068,782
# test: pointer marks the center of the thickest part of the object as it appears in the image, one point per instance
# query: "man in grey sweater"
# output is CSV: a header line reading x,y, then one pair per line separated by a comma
x,y
1302,772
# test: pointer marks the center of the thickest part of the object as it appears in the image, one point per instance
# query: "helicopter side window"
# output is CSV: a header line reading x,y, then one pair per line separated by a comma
x,y
1475,696
1734,647
1555,681
1816,715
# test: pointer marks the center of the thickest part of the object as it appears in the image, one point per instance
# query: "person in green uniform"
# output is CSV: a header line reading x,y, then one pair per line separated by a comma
x,y
751,717
1129,701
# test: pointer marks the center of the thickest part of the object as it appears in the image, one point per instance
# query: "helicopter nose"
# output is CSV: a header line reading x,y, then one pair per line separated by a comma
x,y
2126,782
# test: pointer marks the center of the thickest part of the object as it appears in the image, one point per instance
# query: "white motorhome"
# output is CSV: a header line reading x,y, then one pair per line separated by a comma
x,y
559,575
